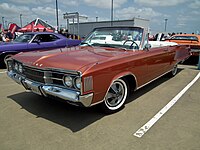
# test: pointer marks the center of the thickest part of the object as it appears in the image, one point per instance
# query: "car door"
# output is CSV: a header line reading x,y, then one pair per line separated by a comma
x,y
19,47
157,61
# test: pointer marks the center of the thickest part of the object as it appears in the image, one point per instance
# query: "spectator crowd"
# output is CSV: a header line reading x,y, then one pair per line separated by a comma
x,y
7,36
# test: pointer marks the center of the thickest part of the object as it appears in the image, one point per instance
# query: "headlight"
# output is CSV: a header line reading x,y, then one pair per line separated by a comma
x,y
68,81
20,68
16,66
78,82
9,65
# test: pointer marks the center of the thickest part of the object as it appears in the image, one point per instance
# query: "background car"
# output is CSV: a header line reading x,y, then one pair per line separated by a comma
x,y
34,41
192,40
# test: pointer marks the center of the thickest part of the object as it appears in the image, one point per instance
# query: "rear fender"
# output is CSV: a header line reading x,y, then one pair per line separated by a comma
x,y
182,53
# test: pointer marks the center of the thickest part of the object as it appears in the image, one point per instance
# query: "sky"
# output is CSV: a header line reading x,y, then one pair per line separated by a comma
x,y
182,15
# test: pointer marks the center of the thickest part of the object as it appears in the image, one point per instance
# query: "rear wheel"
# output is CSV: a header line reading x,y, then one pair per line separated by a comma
x,y
115,97
173,71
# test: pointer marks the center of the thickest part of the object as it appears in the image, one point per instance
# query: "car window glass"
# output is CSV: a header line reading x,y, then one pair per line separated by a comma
x,y
24,38
52,37
46,38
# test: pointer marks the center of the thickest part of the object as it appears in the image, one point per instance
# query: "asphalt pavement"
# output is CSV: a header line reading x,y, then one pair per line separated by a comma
x,y
31,122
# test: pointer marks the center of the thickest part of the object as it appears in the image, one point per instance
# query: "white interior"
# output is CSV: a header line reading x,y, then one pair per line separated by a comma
x,y
161,43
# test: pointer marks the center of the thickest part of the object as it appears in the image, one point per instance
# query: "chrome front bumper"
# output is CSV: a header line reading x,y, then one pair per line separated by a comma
x,y
45,90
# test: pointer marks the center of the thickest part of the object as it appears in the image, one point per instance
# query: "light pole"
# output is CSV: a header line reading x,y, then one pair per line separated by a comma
x,y
57,15
3,22
6,26
111,13
20,16
166,25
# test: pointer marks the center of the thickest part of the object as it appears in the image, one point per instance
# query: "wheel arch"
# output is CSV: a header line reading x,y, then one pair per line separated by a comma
x,y
129,78
130,83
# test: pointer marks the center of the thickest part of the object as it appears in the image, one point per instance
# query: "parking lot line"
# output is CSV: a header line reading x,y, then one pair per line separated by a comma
x,y
141,131
2,72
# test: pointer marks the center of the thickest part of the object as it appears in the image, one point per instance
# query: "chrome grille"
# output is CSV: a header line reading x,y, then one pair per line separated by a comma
x,y
43,76
33,74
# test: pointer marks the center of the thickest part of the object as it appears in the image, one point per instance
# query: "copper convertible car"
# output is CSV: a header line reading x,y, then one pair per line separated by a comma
x,y
109,64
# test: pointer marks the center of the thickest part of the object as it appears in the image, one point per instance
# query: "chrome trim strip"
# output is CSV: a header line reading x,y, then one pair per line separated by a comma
x,y
136,82
47,77
97,103
52,78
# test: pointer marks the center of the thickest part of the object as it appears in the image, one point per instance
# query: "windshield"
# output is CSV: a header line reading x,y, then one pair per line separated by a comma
x,y
24,38
121,37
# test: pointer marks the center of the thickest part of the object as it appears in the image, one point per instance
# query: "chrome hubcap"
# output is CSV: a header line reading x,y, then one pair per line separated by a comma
x,y
115,94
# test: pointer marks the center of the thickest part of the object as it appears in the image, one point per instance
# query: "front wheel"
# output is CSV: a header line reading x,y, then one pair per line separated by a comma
x,y
115,97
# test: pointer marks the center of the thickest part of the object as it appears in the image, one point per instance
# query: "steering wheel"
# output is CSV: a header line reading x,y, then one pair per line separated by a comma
x,y
131,46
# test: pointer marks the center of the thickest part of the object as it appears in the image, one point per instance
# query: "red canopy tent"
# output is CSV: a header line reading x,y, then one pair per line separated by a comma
x,y
37,25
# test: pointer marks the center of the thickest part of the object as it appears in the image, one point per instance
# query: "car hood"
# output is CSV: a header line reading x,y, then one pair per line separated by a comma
x,y
76,58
